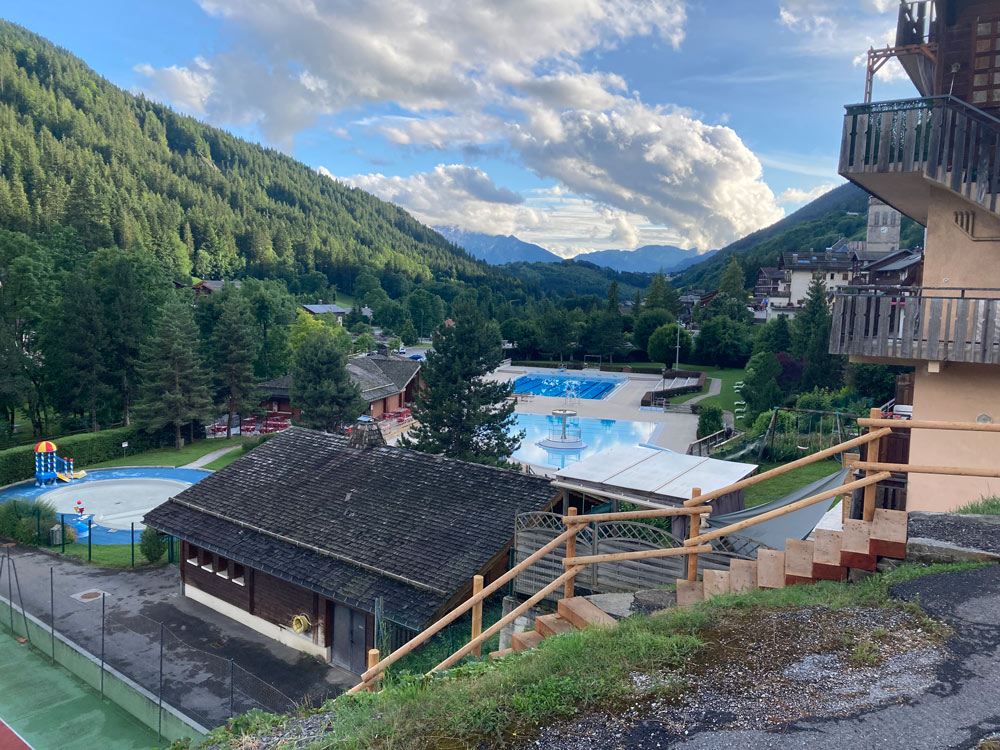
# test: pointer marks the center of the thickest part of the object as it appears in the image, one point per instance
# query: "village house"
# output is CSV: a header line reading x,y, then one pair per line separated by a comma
x,y
335,311
207,286
306,539
936,159
387,382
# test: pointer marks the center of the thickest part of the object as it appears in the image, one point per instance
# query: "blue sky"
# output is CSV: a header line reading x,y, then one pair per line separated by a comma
x,y
576,124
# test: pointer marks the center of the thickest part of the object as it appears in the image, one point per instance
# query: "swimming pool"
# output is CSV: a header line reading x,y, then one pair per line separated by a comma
x,y
597,434
112,499
576,386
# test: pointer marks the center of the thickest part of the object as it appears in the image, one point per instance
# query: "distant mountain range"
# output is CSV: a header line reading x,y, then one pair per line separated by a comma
x,y
496,249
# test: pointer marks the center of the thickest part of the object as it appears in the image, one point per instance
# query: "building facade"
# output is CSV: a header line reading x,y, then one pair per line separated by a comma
x,y
936,159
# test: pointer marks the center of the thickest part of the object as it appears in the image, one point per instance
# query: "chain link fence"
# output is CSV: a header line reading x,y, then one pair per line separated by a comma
x,y
206,687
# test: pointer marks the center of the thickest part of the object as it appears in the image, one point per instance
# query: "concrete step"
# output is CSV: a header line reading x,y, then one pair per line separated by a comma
x,y
689,592
888,534
855,545
550,625
527,640
501,653
798,561
770,569
742,576
826,556
582,613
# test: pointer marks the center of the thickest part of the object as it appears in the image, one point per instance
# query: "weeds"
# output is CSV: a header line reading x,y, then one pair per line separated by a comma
x,y
989,506
864,653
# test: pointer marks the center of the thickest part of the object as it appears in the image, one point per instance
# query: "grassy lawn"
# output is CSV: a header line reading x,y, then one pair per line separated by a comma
x,y
111,555
772,489
227,459
487,701
725,399
170,456
987,506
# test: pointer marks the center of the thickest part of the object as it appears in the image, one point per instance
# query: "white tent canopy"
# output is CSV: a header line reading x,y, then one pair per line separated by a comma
x,y
650,476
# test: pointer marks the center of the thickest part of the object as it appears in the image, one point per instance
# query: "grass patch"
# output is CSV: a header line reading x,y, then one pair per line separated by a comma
x,y
224,461
449,640
772,489
109,555
171,456
727,397
988,506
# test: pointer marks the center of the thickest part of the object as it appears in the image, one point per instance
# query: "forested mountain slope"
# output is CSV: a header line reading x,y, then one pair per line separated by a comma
x,y
76,150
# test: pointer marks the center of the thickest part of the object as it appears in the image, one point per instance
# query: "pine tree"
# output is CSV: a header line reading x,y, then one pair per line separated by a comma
x,y
811,340
656,294
321,385
459,412
234,349
733,281
174,389
774,337
761,389
613,304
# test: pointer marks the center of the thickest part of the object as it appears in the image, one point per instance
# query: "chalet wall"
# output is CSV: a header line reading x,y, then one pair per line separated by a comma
x,y
955,39
278,601
224,588
952,258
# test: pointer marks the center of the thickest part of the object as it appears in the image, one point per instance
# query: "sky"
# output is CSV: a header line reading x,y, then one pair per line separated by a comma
x,y
578,125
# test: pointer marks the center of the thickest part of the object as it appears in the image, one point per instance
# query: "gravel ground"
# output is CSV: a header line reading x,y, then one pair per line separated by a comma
x,y
763,670
975,532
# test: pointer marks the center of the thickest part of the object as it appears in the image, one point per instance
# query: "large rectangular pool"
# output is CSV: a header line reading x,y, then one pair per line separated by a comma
x,y
597,435
570,386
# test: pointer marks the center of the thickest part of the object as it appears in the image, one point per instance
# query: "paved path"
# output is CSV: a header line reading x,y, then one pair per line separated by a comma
x,y
209,457
961,709
714,389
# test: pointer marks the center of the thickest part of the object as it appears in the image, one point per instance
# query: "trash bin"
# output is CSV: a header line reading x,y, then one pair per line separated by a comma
x,y
55,536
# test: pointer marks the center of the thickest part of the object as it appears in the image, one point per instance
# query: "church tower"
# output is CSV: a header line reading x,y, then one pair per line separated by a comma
x,y
883,227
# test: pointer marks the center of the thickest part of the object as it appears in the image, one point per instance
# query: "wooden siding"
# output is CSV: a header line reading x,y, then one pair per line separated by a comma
x,y
210,582
933,328
278,601
949,142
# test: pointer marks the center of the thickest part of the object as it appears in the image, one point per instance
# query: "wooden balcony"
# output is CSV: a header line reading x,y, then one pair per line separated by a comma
x,y
918,323
893,149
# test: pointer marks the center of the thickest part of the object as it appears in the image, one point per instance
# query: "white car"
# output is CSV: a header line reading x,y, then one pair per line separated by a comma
x,y
401,350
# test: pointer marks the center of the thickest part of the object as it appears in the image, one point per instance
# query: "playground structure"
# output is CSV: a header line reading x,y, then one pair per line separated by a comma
x,y
49,467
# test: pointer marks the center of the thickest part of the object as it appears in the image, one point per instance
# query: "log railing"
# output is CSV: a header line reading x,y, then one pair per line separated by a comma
x,y
944,138
695,544
956,325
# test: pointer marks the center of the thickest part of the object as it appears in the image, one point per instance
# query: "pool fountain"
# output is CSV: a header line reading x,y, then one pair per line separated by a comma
x,y
565,437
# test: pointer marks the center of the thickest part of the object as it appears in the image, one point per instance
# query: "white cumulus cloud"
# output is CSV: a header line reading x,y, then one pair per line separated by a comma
x,y
795,195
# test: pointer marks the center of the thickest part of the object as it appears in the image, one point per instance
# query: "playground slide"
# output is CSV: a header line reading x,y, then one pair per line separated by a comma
x,y
67,478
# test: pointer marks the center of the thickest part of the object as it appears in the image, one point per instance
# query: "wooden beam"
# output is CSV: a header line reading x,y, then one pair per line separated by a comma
x,y
510,617
372,661
956,471
596,492
642,554
925,424
777,471
791,507
633,515
694,528
477,615
868,510
570,551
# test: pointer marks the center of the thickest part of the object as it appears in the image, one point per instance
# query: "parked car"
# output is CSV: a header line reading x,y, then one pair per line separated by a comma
x,y
418,357
401,350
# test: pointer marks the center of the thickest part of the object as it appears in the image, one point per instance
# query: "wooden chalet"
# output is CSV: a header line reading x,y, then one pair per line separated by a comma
x,y
305,537
387,382
207,286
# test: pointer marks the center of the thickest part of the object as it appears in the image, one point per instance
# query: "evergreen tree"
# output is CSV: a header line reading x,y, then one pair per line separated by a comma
x,y
460,413
613,304
723,342
234,349
773,337
812,340
321,385
656,293
174,390
761,390
733,281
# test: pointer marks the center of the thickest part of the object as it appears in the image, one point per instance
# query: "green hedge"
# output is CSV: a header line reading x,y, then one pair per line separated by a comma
x,y
17,464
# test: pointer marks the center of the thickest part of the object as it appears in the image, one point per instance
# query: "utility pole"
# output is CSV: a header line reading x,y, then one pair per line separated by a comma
x,y
677,356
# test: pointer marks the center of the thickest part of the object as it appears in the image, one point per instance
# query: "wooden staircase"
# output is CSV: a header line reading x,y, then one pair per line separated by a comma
x,y
825,558
575,613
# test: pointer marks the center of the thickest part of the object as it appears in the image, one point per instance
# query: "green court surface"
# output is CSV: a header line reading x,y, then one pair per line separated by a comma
x,y
52,709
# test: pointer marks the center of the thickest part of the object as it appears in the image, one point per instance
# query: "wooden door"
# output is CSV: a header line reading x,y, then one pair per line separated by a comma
x,y
348,634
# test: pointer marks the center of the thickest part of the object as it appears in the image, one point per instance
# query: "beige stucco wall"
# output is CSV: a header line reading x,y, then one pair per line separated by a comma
x,y
959,393
952,258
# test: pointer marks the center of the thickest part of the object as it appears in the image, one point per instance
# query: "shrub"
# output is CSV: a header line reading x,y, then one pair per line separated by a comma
x,y
18,464
709,420
151,544
27,522
249,445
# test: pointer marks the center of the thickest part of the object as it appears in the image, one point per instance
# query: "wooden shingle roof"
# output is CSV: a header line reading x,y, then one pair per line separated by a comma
x,y
356,524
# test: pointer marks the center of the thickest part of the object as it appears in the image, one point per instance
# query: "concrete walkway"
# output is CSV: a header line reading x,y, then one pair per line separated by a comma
x,y
714,389
209,457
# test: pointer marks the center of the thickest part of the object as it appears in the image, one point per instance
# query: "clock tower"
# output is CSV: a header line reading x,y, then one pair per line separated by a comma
x,y
883,227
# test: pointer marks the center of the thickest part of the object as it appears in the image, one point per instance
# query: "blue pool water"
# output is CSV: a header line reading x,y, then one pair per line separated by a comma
x,y
102,499
545,384
598,434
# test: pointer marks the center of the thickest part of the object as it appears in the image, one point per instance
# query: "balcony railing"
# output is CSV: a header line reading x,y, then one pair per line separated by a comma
x,y
916,19
922,323
942,138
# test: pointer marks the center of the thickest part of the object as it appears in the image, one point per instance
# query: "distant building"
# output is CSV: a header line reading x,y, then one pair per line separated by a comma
x,y
207,286
306,538
883,227
336,311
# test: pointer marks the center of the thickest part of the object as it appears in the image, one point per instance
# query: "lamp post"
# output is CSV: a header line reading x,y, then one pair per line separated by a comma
x,y
677,355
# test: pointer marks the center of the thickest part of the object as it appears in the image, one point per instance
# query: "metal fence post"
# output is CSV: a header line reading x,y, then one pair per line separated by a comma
x,y
232,689
159,693
103,598
24,612
38,525
90,539
131,540
52,608
10,592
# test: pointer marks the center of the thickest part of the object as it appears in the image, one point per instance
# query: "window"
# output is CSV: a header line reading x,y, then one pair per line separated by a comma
x,y
832,275
192,556
239,578
221,567
843,277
